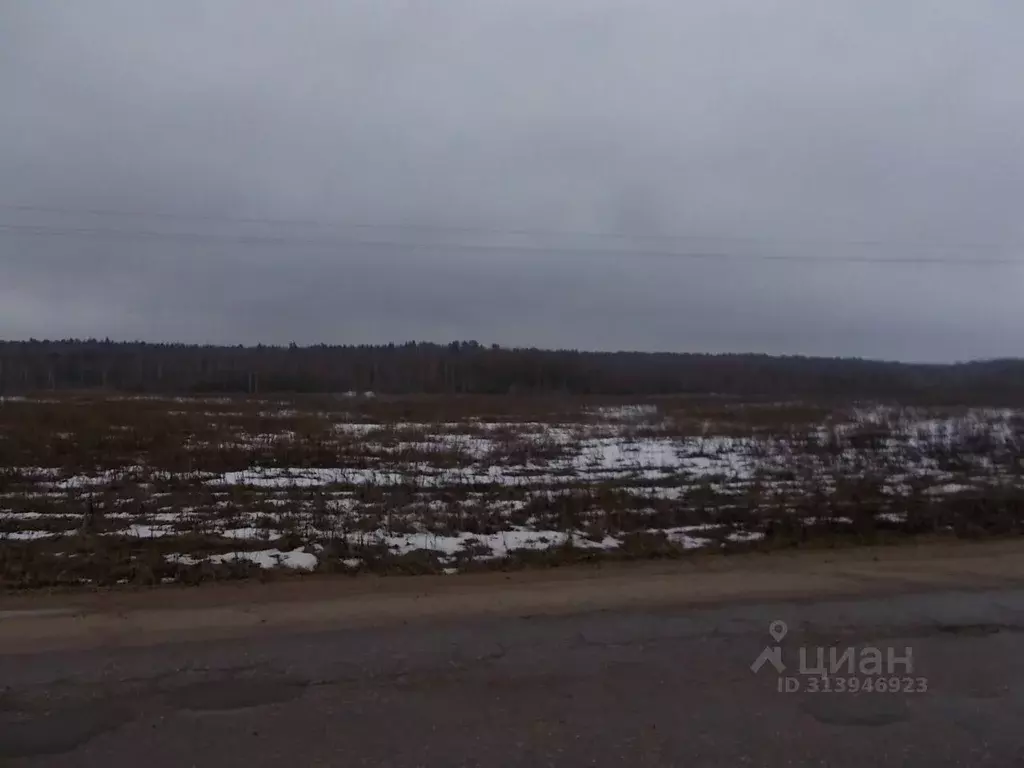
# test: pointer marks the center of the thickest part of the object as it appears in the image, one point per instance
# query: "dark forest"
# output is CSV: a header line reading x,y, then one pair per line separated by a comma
x,y
473,368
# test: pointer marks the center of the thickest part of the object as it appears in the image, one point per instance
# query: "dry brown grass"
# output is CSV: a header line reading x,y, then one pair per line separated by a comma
x,y
159,454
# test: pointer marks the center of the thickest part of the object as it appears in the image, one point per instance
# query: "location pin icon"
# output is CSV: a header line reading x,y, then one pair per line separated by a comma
x,y
778,630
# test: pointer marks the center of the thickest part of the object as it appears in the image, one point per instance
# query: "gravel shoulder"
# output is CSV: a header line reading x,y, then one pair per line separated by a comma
x,y
32,622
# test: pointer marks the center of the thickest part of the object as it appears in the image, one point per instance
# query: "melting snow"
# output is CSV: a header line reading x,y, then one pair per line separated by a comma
x,y
948,488
27,535
296,559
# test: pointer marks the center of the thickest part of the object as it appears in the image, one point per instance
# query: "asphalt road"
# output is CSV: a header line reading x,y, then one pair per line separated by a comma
x,y
657,686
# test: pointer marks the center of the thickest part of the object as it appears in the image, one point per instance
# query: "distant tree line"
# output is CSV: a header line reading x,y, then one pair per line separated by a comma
x,y
471,368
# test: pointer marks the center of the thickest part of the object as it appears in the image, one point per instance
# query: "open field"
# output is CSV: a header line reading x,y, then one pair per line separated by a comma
x,y
121,489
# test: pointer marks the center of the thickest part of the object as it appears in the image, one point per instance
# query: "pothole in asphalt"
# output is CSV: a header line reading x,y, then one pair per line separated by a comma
x,y
857,709
971,630
31,734
230,695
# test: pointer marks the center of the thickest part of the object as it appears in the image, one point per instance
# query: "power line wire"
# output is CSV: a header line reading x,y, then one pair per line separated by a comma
x,y
513,232
24,230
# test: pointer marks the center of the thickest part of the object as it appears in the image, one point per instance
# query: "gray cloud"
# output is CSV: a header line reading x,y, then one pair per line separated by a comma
x,y
783,127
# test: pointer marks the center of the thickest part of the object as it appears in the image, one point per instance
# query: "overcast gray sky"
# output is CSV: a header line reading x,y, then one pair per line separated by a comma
x,y
420,137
